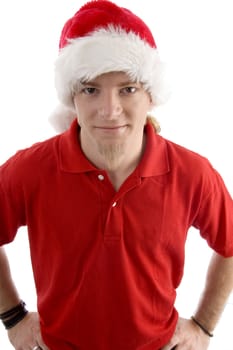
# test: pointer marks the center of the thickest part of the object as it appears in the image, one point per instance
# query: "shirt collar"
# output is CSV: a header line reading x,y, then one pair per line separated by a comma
x,y
154,161
71,157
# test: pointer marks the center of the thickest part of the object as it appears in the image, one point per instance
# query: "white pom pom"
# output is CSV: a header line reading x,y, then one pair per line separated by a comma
x,y
61,118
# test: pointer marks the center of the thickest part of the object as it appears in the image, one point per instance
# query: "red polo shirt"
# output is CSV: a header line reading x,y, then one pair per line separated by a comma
x,y
107,263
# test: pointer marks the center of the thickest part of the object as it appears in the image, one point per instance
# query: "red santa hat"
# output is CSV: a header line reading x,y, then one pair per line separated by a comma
x,y
100,38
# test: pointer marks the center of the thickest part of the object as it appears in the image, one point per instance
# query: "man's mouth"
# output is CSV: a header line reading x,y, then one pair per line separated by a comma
x,y
115,128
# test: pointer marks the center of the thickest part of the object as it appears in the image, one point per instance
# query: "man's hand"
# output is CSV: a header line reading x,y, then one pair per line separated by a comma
x,y
188,336
26,334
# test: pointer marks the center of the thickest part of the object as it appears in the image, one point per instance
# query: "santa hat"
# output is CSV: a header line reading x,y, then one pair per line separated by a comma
x,y
100,38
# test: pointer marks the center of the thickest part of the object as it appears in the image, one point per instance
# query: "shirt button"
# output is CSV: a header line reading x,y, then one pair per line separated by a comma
x,y
114,204
101,177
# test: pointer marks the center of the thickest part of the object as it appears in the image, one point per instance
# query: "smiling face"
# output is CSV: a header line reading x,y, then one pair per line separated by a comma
x,y
112,112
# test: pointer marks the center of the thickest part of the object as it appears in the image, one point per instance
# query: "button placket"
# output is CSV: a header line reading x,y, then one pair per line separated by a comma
x,y
113,226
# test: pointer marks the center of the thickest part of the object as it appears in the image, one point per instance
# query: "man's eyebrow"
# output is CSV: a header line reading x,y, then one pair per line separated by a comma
x,y
128,83
95,84
86,83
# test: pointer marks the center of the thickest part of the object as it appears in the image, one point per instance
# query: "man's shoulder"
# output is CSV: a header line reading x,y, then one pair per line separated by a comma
x,y
32,158
184,154
187,162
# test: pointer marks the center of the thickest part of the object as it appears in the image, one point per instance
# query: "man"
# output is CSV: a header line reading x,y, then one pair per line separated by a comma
x,y
108,204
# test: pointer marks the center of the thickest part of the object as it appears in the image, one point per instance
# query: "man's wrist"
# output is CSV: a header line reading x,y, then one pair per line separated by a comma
x,y
202,327
14,315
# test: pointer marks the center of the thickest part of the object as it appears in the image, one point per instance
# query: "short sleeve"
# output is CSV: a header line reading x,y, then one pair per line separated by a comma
x,y
215,216
12,215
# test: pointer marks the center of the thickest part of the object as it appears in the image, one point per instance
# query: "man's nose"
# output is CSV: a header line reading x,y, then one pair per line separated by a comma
x,y
110,106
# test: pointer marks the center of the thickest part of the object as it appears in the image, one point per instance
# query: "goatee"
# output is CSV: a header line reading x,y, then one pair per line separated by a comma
x,y
111,153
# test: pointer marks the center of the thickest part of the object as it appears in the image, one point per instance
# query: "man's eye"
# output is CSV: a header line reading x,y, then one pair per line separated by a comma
x,y
89,90
129,90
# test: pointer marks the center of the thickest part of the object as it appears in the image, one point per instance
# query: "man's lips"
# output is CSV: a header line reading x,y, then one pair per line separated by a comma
x,y
114,130
111,127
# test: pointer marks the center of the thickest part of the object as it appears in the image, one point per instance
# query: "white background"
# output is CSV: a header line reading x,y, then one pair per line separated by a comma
x,y
194,39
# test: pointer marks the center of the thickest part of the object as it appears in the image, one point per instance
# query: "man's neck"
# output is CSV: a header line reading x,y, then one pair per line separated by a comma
x,y
121,168
118,163
118,176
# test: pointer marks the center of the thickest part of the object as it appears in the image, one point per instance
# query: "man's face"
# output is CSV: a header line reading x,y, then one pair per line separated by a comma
x,y
111,112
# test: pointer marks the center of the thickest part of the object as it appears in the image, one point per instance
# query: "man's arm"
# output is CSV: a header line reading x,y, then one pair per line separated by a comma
x,y
8,294
219,285
26,333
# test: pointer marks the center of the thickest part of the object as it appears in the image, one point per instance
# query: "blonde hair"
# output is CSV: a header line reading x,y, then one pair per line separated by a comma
x,y
154,122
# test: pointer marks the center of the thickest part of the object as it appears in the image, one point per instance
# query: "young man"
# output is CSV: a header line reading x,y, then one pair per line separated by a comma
x,y
108,204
